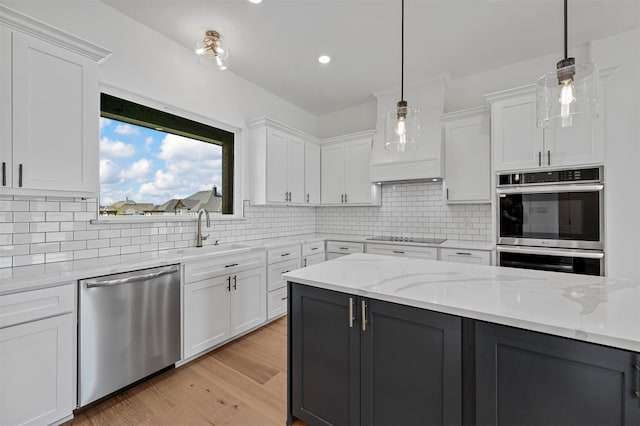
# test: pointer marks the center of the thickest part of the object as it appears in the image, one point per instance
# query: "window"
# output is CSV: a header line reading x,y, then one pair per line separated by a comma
x,y
153,163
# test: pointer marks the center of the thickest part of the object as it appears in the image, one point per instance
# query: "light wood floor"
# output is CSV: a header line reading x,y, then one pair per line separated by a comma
x,y
242,383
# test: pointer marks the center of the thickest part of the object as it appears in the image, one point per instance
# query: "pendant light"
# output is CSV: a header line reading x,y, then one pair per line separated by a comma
x,y
568,93
210,47
402,127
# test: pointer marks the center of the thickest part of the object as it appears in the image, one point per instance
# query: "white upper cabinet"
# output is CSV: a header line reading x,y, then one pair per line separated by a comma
x,y
278,171
467,156
518,144
345,172
49,140
312,173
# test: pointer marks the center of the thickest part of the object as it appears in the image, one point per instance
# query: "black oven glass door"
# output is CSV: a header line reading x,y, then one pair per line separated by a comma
x,y
570,264
550,216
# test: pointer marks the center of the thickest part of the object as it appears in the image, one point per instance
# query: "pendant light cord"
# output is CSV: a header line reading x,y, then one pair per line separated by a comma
x,y
566,49
402,61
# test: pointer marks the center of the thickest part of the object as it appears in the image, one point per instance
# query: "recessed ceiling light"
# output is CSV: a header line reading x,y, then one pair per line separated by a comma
x,y
324,59
255,1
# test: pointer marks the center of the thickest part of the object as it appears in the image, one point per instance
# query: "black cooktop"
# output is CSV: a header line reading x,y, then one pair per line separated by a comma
x,y
409,239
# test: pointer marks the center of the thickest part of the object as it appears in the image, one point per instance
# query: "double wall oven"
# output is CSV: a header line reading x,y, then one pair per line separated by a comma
x,y
552,220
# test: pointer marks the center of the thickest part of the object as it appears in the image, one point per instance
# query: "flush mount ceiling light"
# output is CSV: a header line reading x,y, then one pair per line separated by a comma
x,y
568,93
402,125
324,59
255,1
210,47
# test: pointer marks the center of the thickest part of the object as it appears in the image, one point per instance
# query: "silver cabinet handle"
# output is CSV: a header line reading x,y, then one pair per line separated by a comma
x,y
20,175
351,312
637,367
230,265
539,158
235,282
364,315
398,251
462,253
4,174
131,278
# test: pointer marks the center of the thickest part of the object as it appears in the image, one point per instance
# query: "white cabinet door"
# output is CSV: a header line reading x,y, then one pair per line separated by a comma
x,y
37,370
55,117
333,174
467,148
277,187
206,314
575,145
517,142
248,300
6,177
312,259
295,170
477,257
312,173
357,183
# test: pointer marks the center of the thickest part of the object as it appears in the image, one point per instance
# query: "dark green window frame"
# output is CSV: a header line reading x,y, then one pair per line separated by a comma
x,y
133,113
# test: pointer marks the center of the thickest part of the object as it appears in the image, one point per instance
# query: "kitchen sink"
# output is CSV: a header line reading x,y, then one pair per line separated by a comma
x,y
222,248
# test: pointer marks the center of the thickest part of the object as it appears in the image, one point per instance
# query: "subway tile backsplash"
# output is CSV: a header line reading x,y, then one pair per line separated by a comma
x,y
410,210
37,230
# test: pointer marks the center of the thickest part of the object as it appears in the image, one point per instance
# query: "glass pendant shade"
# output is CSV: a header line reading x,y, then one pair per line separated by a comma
x,y
210,48
402,128
567,95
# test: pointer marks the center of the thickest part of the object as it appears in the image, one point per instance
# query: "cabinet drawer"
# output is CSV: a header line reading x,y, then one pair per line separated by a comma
x,y
312,259
277,303
209,268
283,253
345,248
313,248
404,251
275,271
36,304
478,257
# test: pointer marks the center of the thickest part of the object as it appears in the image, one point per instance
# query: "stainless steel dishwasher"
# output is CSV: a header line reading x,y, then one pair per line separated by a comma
x,y
128,328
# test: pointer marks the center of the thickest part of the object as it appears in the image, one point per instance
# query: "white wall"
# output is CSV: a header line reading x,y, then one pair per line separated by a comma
x,y
350,120
622,144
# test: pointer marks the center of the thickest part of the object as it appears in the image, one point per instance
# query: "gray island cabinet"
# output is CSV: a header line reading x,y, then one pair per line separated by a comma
x,y
356,359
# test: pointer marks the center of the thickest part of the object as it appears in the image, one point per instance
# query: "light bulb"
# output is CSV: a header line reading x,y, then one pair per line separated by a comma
x,y
567,97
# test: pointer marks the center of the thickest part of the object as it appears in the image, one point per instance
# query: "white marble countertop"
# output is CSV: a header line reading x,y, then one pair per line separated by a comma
x,y
26,278
582,307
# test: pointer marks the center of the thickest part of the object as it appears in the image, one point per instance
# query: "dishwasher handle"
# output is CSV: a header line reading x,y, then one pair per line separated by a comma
x,y
99,282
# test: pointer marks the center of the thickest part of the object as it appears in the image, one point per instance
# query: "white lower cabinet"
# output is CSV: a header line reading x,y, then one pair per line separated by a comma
x,y
312,259
218,308
281,261
477,257
37,358
404,251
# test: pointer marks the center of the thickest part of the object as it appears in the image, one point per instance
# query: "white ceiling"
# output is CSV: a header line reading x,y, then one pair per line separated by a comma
x,y
276,44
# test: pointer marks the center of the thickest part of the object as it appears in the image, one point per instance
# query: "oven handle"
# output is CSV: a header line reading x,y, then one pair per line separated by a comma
x,y
550,189
551,252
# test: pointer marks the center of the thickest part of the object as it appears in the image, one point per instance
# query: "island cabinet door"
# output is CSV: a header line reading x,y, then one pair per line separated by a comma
x,y
325,357
411,366
528,378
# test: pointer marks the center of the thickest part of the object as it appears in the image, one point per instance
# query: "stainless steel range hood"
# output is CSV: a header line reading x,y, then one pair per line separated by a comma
x,y
424,163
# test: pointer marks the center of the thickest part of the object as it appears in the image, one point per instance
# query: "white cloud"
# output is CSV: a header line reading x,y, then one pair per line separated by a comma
x,y
104,122
147,143
176,147
108,171
115,149
126,129
138,171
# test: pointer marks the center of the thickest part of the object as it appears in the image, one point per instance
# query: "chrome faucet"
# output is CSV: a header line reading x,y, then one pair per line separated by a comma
x,y
199,237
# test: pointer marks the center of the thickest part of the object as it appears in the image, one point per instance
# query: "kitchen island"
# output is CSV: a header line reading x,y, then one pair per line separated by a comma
x,y
381,340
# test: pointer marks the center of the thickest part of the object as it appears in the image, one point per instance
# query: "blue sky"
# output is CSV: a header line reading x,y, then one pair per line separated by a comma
x,y
151,166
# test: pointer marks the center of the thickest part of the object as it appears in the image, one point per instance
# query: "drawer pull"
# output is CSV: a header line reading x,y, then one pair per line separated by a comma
x,y
284,298
285,254
230,265
462,253
364,315
398,251
315,248
20,175
344,248
351,312
4,174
